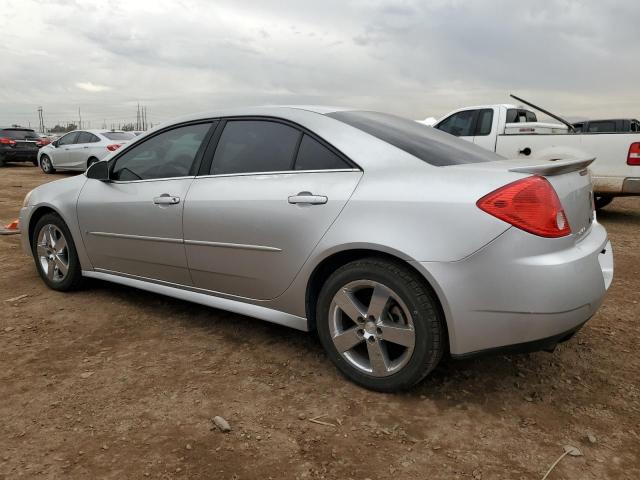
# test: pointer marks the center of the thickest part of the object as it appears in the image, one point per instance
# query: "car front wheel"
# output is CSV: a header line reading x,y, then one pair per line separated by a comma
x,y
380,324
46,165
55,254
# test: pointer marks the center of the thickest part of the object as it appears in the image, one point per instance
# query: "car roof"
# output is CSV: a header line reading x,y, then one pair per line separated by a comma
x,y
17,128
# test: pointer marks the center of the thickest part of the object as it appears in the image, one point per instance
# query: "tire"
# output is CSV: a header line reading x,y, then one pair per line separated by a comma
x,y
410,309
50,257
46,165
602,201
91,161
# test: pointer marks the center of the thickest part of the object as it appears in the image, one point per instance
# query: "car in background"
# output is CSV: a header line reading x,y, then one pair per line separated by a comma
x,y
18,144
79,149
616,125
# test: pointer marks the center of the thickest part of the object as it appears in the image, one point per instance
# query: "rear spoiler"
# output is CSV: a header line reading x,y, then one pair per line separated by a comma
x,y
555,167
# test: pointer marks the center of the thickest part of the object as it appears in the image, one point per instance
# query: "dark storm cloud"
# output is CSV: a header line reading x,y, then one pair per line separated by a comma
x,y
414,58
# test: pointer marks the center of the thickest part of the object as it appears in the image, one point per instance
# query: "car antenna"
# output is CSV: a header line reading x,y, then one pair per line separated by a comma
x,y
546,112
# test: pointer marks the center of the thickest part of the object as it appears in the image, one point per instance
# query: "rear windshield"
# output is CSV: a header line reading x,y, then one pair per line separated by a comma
x,y
520,115
19,134
119,135
429,144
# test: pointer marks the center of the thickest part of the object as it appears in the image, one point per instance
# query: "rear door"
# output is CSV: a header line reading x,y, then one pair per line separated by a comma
x,y
79,151
486,122
253,217
133,224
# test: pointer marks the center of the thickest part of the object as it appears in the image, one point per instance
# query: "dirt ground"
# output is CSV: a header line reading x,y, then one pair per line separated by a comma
x,y
112,382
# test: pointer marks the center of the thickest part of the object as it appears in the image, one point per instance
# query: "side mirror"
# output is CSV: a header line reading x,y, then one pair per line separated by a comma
x,y
55,143
99,171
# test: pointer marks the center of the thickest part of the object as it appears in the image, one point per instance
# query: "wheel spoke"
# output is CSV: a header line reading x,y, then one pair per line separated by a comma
x,y
379,300
41,250
62,267
50,270
52,236
399,335
346,340
61,244
350,305
378,358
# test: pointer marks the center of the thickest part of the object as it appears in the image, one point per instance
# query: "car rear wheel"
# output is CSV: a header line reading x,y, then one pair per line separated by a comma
x,y
55,254
380,324
46,165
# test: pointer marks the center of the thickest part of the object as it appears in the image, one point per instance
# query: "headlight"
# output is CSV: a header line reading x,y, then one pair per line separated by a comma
x,y
27,198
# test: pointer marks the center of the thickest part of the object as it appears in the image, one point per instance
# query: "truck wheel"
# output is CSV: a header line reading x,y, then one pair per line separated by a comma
x,y
602,201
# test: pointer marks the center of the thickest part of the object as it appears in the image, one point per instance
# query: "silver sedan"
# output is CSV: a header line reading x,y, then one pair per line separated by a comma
x,y
395,242
79,149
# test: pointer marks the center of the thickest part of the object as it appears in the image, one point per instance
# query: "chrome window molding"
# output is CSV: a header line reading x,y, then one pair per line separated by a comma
x,y
281,172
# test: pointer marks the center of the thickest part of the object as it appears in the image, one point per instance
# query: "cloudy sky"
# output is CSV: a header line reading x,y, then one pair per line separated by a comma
x,y
413,58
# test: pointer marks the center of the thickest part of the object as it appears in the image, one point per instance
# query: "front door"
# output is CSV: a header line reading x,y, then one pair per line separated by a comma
x,y
269,197
133,223
60,156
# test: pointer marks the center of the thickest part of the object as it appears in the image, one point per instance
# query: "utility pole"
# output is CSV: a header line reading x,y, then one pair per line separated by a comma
x,y
41,120
79,118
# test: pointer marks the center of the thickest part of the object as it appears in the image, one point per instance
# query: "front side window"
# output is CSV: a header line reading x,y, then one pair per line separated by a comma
x,y
459,124
68,139
166,155
312,155
254,146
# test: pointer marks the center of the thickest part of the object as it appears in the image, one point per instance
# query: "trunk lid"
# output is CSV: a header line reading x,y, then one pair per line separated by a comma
x,y
570,179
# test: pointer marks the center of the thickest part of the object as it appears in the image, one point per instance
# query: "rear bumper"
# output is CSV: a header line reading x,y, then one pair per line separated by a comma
x,y
19,155
513,292
631,186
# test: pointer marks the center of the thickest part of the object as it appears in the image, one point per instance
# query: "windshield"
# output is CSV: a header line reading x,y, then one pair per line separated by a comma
x,y
19,134
430,145
119,135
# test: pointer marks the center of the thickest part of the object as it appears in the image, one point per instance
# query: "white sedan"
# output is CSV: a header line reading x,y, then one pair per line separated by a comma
x,y
79,149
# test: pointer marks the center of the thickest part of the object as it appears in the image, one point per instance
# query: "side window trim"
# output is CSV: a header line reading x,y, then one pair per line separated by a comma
x,y
207,160
196,162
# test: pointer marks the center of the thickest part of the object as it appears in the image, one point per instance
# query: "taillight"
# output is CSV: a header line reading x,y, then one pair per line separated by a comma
x,y
113,147
42,142
530,204
634,154
7,141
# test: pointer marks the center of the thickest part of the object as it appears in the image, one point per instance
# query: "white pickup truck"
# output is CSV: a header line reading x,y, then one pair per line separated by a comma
x,y
515,132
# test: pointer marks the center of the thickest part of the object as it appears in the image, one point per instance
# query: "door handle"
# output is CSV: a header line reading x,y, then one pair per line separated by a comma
x,y
166,199
308,198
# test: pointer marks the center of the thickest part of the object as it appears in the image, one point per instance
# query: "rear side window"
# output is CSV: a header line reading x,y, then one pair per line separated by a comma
x,y
429,144
485,120
68,139
254,146
315,156
86,137
460,124
19,134
119,135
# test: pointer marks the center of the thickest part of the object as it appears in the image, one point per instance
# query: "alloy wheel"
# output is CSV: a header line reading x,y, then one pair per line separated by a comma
x,y
371,328
53,253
